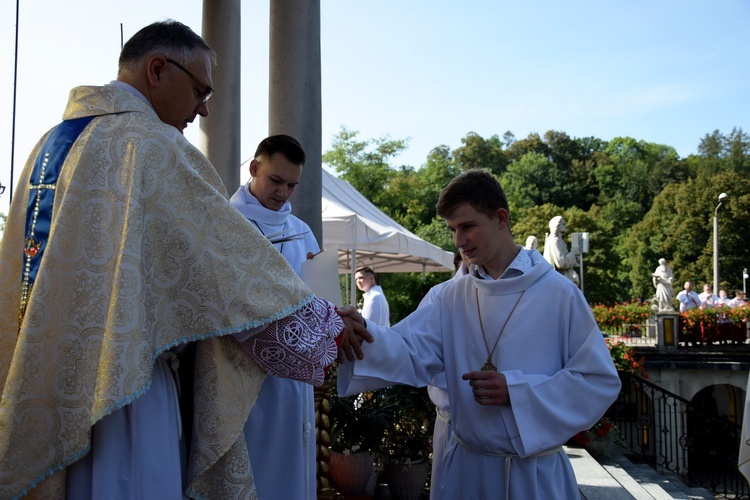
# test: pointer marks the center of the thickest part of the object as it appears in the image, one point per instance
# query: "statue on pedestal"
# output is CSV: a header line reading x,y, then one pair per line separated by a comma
x,y
556,250
663,279
531,243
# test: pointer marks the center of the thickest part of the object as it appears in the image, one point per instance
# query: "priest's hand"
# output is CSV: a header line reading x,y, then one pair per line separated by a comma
x,y
351,312
352,337
489,387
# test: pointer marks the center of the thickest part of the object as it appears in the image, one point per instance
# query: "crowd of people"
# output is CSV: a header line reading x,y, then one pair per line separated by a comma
x,y
690,299
157,342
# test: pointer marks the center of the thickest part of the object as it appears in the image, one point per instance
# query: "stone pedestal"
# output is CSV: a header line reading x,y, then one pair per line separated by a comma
x,y
667,329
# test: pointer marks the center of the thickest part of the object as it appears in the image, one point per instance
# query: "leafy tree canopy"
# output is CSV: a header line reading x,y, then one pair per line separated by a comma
x,y
638,201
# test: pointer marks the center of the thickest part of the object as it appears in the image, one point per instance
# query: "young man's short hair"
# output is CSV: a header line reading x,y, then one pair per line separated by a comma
x,y
284,144
478,188
368,270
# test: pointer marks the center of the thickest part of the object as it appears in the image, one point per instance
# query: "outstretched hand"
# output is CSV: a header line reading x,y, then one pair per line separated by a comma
x,y
489,387
351,312
353,334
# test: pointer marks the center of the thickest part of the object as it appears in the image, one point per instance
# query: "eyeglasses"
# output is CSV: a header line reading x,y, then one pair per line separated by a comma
x,y
207,92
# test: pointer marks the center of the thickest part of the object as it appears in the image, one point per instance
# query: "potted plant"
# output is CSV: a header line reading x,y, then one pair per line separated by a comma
x,y
407,444
358,425
598,440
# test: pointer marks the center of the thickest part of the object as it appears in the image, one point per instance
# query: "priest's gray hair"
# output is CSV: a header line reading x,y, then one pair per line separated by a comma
x,y
171,38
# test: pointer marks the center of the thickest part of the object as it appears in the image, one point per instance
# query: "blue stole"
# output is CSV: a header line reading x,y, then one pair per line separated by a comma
x,y
41,198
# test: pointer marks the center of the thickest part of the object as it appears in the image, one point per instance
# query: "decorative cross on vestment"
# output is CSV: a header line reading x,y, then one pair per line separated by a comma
x,y
42,184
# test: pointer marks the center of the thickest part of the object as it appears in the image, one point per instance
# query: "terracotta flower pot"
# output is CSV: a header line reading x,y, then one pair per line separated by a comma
x,y
351,473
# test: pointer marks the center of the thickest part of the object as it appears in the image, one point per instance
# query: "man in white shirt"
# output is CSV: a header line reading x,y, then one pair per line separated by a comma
x,y
520,381
688,298
375,306
738,300
708,299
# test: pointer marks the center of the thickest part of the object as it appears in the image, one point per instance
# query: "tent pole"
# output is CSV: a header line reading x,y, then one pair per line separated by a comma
x,y
353,287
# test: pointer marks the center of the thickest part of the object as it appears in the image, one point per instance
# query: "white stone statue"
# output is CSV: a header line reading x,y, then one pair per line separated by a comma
x,y
663,279
531,242
556,250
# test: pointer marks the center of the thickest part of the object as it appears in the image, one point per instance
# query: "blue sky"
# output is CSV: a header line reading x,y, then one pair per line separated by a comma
x,y
666,71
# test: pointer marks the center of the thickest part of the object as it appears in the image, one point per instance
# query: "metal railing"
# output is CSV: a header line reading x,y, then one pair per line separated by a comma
x,y
634,334
673,434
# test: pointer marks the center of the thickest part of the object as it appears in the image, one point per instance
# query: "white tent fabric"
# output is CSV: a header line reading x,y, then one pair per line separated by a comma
x,y
367,236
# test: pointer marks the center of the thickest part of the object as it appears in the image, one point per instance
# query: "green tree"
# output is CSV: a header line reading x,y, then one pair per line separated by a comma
x,y
719,152
562,169
738,151
533,143
679,228
365,164
636,171
412,194
479,153
535,180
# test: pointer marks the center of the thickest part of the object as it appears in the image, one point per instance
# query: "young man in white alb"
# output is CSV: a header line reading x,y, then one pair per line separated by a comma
x,y
522,378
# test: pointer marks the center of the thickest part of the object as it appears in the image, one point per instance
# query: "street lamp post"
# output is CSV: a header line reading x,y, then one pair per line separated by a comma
x,y
722,198
744,279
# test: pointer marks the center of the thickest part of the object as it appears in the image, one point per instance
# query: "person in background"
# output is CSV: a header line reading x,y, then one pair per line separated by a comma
x,y
688,298
512,405
375,305
132,268
707,298
723,300
738,300
280,429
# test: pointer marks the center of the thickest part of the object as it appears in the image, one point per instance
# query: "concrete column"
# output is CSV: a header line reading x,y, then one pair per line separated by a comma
x,y
220,131
295,96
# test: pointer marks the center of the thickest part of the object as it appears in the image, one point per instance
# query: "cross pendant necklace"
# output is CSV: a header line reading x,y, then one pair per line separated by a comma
x,y
489,365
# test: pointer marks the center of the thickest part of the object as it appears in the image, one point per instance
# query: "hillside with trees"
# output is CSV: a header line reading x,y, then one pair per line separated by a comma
x,y
639,201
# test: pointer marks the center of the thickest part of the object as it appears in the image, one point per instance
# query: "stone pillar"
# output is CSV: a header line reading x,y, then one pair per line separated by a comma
x,y
667,329
220,131
295,96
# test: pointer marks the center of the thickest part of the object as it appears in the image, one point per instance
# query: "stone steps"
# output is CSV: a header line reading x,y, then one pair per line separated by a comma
x,y
617,478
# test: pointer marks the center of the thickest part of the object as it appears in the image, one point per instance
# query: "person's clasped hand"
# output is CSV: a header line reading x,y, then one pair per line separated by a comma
x,y
353,334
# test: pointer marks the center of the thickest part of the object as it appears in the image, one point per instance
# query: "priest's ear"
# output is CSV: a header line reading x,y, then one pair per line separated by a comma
x,y
155,66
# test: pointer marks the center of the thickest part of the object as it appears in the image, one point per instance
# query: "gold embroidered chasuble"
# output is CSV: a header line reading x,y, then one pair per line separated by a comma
x,y
145,253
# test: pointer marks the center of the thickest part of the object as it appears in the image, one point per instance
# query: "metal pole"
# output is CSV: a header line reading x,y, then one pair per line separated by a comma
x,y
716,252
353,296
722,198
581,269
15,92
744,278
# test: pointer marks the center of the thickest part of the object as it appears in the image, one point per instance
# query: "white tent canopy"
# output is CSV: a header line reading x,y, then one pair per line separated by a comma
x,y
368,237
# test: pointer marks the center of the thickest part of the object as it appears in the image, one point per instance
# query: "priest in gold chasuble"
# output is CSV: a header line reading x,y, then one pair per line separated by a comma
x,y
120,251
